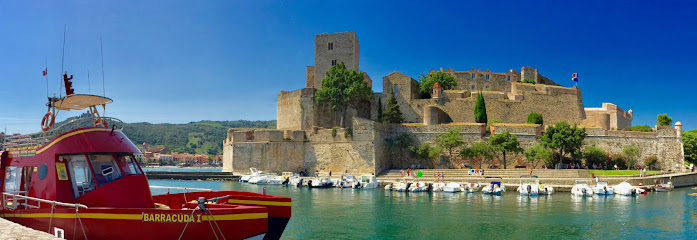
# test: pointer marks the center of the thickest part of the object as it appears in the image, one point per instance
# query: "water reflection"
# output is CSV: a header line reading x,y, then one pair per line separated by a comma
x,y
380,214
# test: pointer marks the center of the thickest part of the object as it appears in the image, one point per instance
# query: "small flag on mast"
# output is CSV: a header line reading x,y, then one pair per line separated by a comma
x,y
574,77
44,72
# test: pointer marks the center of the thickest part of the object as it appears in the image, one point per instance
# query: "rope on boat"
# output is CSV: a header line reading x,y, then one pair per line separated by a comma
x,y
187,223
216,225
215,234
50,220
77,214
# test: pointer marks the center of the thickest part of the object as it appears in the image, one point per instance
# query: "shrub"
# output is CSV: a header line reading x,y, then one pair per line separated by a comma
x,y
630,154
617,159
348,133
334,132
641,128
446,81
651,161
535,118
529,81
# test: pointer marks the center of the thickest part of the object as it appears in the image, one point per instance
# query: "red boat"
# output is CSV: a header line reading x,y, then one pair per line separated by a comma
x,y
83,182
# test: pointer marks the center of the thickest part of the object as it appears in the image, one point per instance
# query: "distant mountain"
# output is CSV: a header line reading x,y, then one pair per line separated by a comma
x,y
203,137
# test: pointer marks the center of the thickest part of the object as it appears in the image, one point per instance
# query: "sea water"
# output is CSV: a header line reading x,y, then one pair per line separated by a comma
x,y
378,214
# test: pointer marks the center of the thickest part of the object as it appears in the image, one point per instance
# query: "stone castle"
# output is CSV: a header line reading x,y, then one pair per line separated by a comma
x,y
304,139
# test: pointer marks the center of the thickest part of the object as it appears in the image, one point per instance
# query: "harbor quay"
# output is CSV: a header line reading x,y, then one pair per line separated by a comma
x,y
14,231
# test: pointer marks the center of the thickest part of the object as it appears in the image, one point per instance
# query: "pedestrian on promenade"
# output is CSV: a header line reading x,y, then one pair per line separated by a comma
x,y
409,172
401,172
330,173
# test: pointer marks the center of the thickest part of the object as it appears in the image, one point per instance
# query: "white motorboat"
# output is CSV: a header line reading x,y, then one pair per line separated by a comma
x,y
367,182
418,187
581,188
323,182
254,173
346,181
438,186
452,187
261,179
529,185
494,188
472,187
402,186
295,181
627,189
664,187
389,186
601,188
545,190
274,180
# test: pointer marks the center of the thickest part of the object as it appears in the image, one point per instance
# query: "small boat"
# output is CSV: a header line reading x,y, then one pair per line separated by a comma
x,y
529,185
323,182
545,190
437,187
581,188
262,179
627,189
254,173
389,186
664,187
472,187
403,186
275,180
367,182
452,187
418,187
494,188
346,181
601,188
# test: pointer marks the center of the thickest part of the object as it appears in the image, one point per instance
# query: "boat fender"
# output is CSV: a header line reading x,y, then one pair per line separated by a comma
x,y
48,121
529,189
633,191
101,121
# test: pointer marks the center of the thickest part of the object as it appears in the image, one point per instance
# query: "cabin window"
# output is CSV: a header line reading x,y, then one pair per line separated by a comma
x,y
80,175
128,164
13,179
105,168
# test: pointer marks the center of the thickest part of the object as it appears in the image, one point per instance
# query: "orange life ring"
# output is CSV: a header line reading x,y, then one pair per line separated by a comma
x,y
101,121
46,125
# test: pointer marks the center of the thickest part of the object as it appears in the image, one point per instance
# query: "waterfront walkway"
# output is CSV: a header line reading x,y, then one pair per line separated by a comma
x,y
10,230
563,179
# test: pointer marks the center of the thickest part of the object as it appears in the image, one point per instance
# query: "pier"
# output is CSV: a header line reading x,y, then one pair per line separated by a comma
x,y
11,230
215,176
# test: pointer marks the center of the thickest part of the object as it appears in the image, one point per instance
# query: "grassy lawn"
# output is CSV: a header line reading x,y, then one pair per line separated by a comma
x,y
620,172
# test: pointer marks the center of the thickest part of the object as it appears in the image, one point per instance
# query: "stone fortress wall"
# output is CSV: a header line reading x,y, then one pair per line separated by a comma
x,y
304,137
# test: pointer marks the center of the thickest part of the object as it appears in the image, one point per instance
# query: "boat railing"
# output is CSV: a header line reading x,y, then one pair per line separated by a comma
x,y
186,189
15,200
41,138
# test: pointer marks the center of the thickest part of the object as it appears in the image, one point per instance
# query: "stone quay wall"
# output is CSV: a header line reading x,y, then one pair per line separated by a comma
x,y
366,150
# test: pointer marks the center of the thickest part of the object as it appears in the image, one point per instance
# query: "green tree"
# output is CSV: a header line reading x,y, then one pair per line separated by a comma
x,y
535,118
631,153
450,141
564,138
479,153
399,144
480,109
641,128
651,161
446,81
594,155
663,120
537,153
689,142
343,88
392,113
379,109
425,151
504,143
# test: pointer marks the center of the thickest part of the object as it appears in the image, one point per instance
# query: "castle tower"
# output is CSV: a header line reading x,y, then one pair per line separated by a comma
x,y
331,49
437,91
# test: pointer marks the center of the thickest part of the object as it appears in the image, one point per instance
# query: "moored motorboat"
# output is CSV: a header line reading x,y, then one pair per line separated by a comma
x,y
254,173
602,188
581,188
437,186
322,182
627,189
81,180
366,182
664,187
529,185
389,186
494,188
452,187
472,187
418,187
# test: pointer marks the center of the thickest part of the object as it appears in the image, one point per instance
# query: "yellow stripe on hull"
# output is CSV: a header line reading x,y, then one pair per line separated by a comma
x,y
139,217
256,202
70,135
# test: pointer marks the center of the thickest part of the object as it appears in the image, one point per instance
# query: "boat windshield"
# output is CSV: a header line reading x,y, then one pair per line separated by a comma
x,y
104,169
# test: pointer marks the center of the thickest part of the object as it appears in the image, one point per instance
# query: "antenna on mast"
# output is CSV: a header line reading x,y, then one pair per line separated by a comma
x,y
101,50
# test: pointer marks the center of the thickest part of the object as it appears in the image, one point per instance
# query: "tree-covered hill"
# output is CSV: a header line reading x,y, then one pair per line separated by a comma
x,y
204,137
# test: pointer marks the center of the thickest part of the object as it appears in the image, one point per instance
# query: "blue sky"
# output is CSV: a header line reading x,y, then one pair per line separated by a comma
x,y
183,61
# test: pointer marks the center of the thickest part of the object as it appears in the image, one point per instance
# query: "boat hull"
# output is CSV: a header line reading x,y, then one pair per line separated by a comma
x,y
235,222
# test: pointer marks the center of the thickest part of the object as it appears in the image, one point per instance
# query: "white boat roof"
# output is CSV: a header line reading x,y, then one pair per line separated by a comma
x,y
81,101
